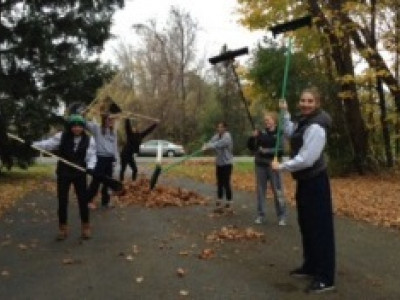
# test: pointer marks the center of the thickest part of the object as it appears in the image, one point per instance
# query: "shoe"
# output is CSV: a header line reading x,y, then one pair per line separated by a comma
x,y
92,205
228,208
317,287
282,222
300,273
85,231
62,233
218,208
259,220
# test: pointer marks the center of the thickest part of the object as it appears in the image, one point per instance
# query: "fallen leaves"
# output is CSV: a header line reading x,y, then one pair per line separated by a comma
x,y
372,198
5,273
232,233
138,192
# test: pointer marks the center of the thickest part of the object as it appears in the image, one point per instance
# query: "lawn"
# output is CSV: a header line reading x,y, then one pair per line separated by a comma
x,y
16,183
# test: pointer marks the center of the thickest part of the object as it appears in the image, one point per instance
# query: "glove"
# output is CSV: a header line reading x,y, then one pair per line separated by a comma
x,y
90,172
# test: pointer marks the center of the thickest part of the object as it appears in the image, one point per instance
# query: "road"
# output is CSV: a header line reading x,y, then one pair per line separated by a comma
x,y
34,266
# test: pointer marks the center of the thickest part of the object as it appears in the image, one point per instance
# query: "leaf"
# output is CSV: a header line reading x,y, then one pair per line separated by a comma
x,y
71,261
180,272
207,253
139,279
184,293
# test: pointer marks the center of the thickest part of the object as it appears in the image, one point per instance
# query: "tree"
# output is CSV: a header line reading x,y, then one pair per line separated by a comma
x,y
343,26
165,69
48,57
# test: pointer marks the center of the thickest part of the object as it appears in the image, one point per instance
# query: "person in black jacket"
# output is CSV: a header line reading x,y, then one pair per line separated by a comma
x,y
308,137
133,140
262,144
75,146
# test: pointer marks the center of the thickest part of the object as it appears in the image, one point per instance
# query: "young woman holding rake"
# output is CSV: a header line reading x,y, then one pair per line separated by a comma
x,y
308,137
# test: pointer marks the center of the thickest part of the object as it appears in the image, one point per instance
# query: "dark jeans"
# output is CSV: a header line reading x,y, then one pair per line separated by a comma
x,y
125,161
104,166
224,181
315,217
63,186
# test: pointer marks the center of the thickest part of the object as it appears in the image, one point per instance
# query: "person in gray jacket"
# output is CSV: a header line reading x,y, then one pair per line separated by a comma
x,y
107,153
222,144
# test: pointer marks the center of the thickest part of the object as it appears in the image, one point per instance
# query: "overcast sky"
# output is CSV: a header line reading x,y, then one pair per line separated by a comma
x,y
216,18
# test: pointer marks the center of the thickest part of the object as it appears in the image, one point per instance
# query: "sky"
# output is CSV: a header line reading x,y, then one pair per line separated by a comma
x,y
216,18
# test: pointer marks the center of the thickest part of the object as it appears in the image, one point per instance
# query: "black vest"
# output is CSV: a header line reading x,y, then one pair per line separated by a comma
x,y
66,151
321,118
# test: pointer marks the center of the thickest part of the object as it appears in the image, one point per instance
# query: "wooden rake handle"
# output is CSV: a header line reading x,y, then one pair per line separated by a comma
x,y
17,138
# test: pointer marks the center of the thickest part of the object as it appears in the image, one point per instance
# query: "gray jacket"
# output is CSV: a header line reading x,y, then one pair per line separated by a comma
x,y
223,147
106,145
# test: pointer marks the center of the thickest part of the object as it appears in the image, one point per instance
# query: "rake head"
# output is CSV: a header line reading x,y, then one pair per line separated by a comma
x,y
291,25
154,177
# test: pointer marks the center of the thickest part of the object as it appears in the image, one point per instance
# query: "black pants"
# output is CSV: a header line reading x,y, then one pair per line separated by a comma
x,y
63,186
104,166
315,217
128,159
224,181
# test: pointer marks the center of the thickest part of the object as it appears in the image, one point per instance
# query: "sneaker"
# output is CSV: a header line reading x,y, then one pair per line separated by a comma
x,y
62,233
259,220
282,222
92,205
317,287
300,273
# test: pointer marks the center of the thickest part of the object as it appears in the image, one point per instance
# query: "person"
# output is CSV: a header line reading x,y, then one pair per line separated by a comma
x,y
107,152
74,145
133,140
222,143
262,144
308,136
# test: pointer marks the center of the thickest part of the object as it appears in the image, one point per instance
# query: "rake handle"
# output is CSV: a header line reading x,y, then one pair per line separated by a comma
x,y
17,138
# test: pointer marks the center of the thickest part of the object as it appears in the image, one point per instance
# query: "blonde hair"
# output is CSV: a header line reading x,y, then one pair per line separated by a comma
x,y
272,114
314,91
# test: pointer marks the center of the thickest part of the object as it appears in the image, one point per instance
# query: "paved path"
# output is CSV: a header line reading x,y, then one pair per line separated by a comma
x,y
33,265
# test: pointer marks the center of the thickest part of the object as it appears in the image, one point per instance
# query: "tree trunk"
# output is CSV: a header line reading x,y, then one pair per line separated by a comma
x,y
341,55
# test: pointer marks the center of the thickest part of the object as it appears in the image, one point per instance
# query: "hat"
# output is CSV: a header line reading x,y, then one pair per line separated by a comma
x,y
76,120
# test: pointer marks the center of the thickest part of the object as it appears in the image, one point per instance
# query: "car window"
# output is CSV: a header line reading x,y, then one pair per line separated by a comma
x,y
151,143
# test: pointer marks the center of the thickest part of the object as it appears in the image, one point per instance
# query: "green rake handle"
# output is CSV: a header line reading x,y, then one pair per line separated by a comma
x,y
283,95
185,158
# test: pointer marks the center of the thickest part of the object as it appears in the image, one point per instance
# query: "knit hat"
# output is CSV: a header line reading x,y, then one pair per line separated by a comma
x,y
76,120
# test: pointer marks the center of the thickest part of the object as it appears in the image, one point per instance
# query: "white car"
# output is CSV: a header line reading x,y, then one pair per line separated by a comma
x,y
169,149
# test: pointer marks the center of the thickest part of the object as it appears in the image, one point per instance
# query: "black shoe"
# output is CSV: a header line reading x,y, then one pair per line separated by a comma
x,y
317,287
300,273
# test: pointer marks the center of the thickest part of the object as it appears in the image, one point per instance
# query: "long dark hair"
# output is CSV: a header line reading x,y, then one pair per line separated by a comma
x,y
104,118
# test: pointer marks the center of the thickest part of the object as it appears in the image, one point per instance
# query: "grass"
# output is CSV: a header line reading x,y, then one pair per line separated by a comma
x,y
37,171
17,183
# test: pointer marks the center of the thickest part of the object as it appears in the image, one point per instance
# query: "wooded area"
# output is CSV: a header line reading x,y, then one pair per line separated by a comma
x,y
49,53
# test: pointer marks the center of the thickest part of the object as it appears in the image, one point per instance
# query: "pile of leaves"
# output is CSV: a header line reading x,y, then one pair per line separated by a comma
x,y
138,192
232,233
